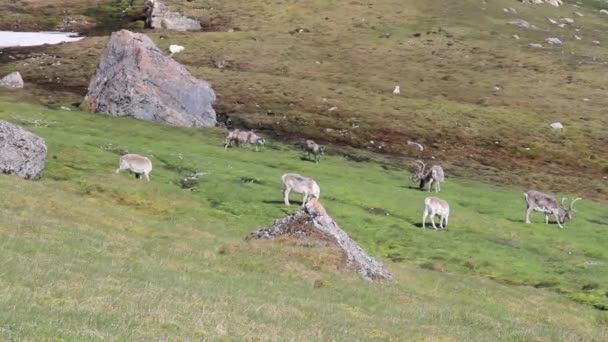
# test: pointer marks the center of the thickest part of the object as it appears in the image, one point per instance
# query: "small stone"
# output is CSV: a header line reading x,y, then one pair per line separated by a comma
x,y
553,40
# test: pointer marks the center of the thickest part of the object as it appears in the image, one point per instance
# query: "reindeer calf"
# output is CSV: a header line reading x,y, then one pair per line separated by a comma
x,y
300,184
434,206
314,149
239,137
136,164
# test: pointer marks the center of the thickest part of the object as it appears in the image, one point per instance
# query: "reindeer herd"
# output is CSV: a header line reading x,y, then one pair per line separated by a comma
x,y
421,175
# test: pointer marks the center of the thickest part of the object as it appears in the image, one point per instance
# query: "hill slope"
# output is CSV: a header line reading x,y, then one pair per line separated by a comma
x,y
448,57
88,254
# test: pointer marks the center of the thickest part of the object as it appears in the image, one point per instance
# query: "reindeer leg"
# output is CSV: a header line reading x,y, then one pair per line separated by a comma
x,y
430,185
557,219
433,220
147,176
546,219
286,196
528,212
424,215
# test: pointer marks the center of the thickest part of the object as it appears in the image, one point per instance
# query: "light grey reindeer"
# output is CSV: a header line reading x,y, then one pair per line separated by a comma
x,y
433,175
314,149
300,184
239,137
435,206
137,164
548,205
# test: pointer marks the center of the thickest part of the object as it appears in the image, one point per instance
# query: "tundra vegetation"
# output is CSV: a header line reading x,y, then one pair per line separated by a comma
x,y
102,248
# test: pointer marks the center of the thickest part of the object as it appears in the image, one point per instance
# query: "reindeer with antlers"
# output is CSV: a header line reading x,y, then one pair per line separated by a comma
x,y
547,204
433,175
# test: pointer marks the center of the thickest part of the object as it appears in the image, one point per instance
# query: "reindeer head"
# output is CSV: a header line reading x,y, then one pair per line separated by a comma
x,y
566,214
418,171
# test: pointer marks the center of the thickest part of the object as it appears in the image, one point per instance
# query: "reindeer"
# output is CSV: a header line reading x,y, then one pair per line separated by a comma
x,y
548,205
314,149
434,175
435,206
239,137
136,164
299,184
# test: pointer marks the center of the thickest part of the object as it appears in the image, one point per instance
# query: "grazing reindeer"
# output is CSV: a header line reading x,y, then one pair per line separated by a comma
x,y
136,164
434,175
314,149
548,205
434,206
239,137
299,184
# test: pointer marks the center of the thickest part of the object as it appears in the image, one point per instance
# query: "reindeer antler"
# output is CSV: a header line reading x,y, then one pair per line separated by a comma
x,y
564,200
421,165
572,203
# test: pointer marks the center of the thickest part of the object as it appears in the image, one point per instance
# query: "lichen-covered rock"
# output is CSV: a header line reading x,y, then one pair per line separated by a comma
x,y
134,78
162,17
312,221
21,152
12,80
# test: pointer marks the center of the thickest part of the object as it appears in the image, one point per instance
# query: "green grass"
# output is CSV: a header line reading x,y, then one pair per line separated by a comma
x,y
88,254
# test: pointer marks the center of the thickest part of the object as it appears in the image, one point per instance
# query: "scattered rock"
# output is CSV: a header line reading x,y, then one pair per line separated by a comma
x,y
416,145
299,30
553,40
604,11
175,49
557,126
535,45
577,37
579,14
21,152
313,221
523,24
515,36
151,86
567,20
12,80
555,3
552,21
597,42
162,17
397,90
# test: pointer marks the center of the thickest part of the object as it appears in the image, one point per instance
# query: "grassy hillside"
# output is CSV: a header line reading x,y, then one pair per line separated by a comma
x,y
88,254
448,56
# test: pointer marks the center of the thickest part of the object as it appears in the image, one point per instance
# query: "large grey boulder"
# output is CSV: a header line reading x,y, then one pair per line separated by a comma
x,y
312,221
162,17
134,78
21,152
12,80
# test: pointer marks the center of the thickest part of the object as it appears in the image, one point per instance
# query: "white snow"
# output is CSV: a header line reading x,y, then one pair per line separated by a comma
x,y
11,39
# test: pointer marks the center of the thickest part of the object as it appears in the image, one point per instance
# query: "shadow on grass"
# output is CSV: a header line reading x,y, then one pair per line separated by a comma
x,y
276,202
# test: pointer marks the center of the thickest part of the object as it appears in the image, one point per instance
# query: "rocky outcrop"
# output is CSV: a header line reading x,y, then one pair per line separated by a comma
x,y
162,17
134,78
21,153
312,221
12,80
